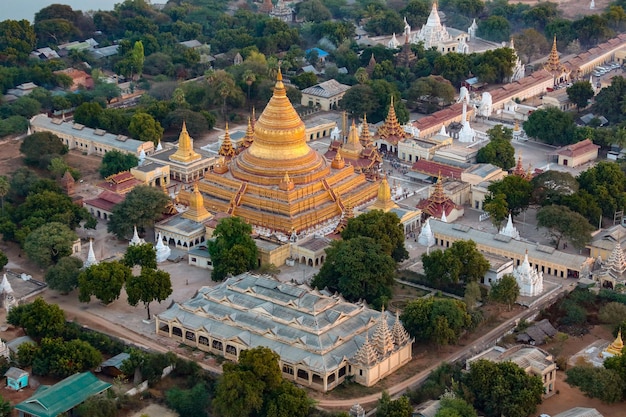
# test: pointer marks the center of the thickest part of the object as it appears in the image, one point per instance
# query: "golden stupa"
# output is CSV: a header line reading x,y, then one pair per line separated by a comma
x,y
279,181
185,153
383,199
616,347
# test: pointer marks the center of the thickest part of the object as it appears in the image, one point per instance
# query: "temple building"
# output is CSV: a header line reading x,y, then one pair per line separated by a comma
x,y
520,171
553,65
279,183
406,56
364,159
519,70
187,229
185,164
410,219
321,338
282,12
226,148
440,206
613,271
391,132
529,279
434,34
466,134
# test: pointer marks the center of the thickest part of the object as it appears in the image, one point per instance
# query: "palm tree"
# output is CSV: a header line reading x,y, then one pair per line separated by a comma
x,y
249,78
4,190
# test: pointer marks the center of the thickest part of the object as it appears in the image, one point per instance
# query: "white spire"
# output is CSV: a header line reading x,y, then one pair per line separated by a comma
x,y
443,217
393,43
159,147
426,237
5,286
91,256
509,229
162,251
142,156
136,240
467,134
443,131
529,279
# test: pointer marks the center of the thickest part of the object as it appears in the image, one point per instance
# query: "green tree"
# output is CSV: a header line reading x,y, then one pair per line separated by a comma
x,y
232,251
612,313
497,208
580,93
5,186
38,319
563,223
114,162
49,243
143,255
104,281
387,407
472,295
193,402
601,383
460,262
531,44
254,387
304,80
61,359
455,407
499,150
313,11
505,291
141,207
63,276
503,389
494,28
606,183
40,147
420,318
517,191
98,406
552,126
17,40
89,114
358,268
384,227
144,128
150,285
550,186
359,100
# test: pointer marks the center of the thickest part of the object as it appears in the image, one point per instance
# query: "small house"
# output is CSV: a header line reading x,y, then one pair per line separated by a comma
x,y
16,378
113,366
577,154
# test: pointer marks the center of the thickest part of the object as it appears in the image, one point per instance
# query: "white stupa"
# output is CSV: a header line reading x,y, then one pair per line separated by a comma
x,y
443,217
433,33
529,279
426,237
162,251
463,94
91,256
6,292
592,5
509,229
136,240
442,131
471,31
159,147
142,157
393,43
467,134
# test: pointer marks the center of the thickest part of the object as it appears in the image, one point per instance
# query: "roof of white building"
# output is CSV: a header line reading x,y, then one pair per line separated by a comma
x,y
327,89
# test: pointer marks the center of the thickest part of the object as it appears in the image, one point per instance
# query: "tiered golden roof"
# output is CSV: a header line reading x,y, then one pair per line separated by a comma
x,y
338,162
281,183
365,138
248,138
520,171
197,212
353,146
553,64
226,149
383,200
185,152
391,130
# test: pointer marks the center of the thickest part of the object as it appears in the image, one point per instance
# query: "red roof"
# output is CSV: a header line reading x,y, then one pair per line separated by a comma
x,y
434,169
106,200
578,149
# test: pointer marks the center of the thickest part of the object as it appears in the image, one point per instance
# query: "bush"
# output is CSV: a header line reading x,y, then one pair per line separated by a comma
x,y
612,313
189,403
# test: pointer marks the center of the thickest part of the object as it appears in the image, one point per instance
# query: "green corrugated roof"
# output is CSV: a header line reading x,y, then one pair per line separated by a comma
x,y
61,397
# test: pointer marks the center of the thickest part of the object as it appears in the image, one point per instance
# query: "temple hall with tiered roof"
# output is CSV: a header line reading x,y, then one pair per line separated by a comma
x,y
321,338
279,182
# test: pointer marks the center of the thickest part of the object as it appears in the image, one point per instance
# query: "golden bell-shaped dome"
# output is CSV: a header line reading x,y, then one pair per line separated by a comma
x,y
185,152
197,212
383,199
338,161
279,144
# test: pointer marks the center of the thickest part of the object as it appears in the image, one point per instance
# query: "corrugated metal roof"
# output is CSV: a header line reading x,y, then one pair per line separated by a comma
x,y
50,401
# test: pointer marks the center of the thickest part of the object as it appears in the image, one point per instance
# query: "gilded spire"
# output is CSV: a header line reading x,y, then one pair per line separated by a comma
x,y
338,162
365,138
197,212
286,184
279,143
353,146
383,199
616,347
553,64
438,196
185,152
391,129
226,149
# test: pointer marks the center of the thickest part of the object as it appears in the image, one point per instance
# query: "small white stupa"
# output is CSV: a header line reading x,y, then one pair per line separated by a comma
x,y
6,292
162,251
393,43
592,5
444,218
442,131
159,147
426,237
142,157
91,256
467,134
136,240
509,229
529,279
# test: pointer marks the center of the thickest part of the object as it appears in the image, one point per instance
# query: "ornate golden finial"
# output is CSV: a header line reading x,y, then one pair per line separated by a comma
x,y
185,152
338,162
391,129
226,149
197,212
279,74
383,198
616,347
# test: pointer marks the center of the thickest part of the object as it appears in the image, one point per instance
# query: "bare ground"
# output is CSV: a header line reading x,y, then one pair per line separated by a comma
x,y
572,9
